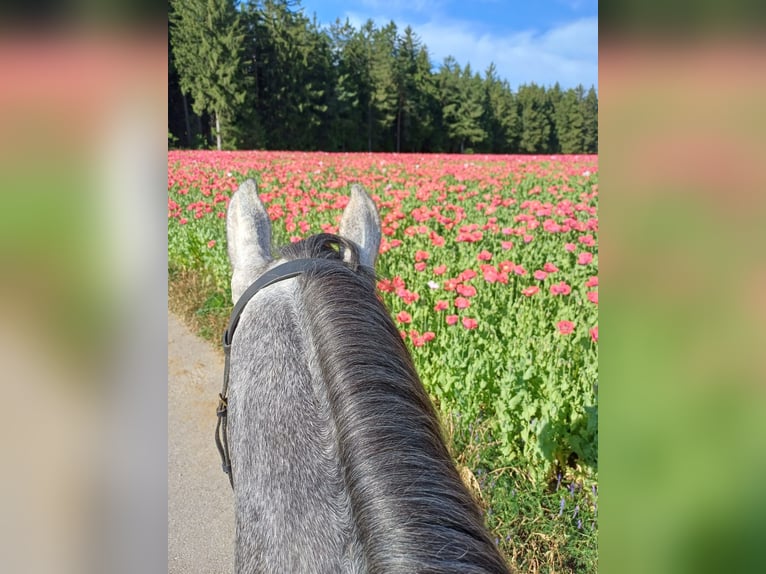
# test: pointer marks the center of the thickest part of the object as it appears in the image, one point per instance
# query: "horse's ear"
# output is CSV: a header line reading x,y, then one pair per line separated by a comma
x,y
248,234
361,224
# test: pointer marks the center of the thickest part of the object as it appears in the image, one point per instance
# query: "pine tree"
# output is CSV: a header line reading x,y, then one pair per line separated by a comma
x,y
405,71
423,133
590,121
353,87
501,120
294,77
461,97
569,123
553,98
536,123
206,38
385,97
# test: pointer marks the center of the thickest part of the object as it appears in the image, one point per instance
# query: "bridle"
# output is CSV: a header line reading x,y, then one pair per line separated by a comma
x,y
286,270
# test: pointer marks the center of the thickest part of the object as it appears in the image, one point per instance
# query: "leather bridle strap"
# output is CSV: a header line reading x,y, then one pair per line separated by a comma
x,y
281,272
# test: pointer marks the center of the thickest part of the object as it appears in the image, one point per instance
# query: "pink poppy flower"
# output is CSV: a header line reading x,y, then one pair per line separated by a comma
x,y
451,319
584,258
594,334
550,268
466,290
440,269
490,273
436,240
560,288
529,291
565,327
462,303
506,245
422,255
417,339
592,282
407,296
441,305
540,275
469,323
386,285
570,247
420,266
211,244
404,317
484,255
467,275
593,297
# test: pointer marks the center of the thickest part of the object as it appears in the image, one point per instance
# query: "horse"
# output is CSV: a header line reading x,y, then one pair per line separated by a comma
x,y
337,458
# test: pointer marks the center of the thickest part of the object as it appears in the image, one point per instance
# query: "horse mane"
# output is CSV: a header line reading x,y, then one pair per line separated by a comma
x,y
409,505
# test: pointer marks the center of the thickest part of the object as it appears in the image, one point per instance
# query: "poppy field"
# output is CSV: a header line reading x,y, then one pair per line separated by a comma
x,y
489,267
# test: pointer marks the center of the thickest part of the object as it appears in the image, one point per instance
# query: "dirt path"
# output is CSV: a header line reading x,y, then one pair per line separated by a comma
x,y
200,505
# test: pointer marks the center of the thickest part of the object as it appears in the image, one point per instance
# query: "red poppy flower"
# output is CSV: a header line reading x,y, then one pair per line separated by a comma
x,y
484,255
467,275
560,288
466,290
404,317
462,303
565,327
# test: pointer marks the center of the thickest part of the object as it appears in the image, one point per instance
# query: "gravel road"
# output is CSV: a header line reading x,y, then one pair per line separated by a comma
x,y
200,504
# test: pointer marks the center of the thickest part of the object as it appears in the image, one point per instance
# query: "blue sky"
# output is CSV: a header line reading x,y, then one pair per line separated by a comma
x,y
541,41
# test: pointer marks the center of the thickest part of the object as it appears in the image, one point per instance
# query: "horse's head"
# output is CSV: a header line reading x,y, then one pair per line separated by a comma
x,y
248,230
338,462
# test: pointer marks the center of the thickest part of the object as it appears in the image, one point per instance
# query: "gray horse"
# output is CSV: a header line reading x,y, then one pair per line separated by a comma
x,y
338,460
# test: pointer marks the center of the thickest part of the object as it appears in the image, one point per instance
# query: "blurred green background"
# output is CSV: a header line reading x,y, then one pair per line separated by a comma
x,y
683,377
82,287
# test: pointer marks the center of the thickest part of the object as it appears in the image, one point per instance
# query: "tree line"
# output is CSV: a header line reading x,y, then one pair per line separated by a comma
x,y
262,75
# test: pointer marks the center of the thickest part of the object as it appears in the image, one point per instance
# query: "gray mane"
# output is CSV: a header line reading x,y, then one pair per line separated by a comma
x,y
407,498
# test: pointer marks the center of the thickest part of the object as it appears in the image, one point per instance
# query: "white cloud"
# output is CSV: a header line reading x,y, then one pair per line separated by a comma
x,y
567,53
